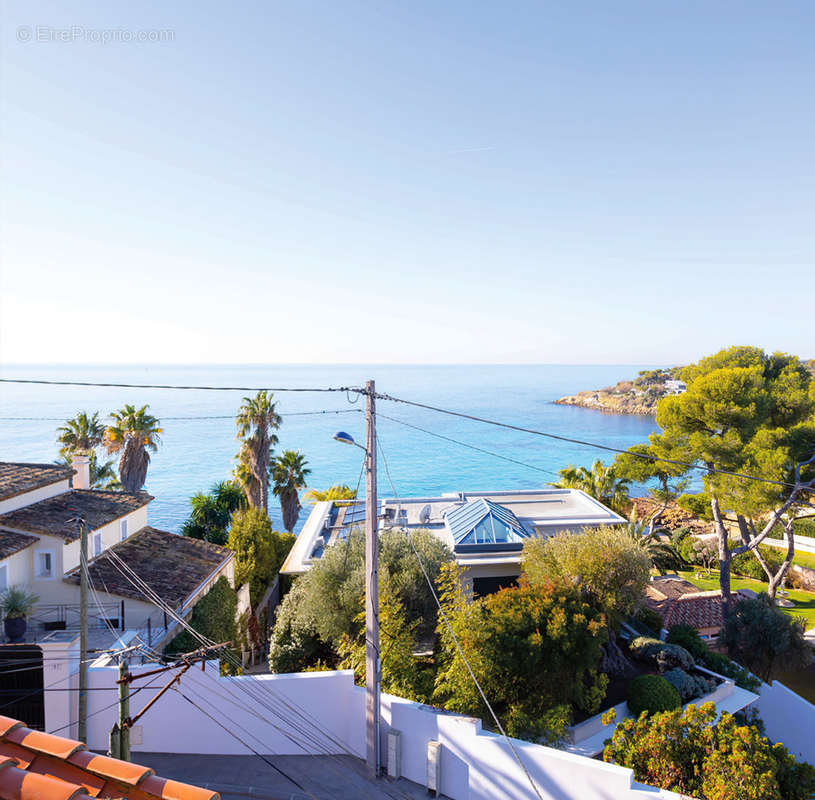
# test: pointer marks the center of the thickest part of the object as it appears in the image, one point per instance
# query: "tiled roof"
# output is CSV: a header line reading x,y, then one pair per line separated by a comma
x,y
11,542
174,566
42,766
700,610
18,478
52,516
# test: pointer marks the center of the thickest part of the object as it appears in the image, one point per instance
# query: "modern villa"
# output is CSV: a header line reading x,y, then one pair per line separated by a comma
x,y
485,530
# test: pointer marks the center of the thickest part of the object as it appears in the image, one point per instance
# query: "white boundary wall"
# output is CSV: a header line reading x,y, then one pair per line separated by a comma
x,y
476,765
789,719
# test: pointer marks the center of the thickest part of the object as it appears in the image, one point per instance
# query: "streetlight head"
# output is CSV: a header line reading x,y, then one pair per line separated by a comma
x,y
345,438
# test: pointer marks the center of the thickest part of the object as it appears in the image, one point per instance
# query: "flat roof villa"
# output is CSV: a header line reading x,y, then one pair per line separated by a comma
x,y
485,530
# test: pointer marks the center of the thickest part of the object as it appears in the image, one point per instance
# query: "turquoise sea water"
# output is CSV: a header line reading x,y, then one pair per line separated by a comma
x,y
196,453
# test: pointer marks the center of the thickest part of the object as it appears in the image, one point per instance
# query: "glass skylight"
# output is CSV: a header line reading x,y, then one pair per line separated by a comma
x,y
484,522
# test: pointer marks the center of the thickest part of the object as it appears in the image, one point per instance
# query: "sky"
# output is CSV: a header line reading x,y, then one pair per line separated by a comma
x,y
438,181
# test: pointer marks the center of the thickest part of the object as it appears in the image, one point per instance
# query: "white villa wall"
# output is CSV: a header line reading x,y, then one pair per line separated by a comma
x,y
788,719
136,520
18,567
34,496
475,765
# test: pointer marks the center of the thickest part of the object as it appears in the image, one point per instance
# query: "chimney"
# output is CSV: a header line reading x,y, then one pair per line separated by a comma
x,y
82,464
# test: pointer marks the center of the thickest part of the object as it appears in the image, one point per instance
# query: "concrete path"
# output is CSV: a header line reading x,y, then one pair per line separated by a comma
x,y
319,777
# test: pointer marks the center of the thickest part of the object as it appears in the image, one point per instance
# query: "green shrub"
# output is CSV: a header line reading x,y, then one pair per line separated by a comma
x,y
689,685
693,753
722,665
213,617
801,527
652,693
748,566
679,536
688,637
650,619
664,656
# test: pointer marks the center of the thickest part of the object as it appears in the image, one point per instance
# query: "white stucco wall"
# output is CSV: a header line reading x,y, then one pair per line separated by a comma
x,y
475,765
34,496
788,719
18,567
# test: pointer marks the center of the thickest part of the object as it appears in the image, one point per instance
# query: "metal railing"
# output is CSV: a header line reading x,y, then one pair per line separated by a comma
x,y
65,616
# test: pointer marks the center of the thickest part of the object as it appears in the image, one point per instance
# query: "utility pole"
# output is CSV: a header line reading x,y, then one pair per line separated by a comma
x,y
83,631
124,710
372,663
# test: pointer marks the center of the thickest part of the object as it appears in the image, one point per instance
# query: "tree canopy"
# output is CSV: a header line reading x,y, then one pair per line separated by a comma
x,y
135,434
256,423
760,636
534,649
259,551
691,752
289,473
603,483
324,603
607,564
749,412
212,512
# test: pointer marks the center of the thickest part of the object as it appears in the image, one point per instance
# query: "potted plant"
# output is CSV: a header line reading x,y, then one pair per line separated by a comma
x,y
17,603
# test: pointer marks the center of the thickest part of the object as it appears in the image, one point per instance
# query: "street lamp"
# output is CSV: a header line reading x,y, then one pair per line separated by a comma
x,y
372,662
346,438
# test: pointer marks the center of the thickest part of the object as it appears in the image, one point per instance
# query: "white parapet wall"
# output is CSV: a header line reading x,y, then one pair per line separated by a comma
x,y
788,719
315,713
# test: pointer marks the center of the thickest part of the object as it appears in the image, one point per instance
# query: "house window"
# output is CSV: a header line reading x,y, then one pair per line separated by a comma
x,y
97,544
123,529
45,564
3,578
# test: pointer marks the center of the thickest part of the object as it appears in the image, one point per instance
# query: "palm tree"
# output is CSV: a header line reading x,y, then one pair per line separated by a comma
x,y
211,513
289,473
132,434
82,434
257,421
339,491
600,482
664,556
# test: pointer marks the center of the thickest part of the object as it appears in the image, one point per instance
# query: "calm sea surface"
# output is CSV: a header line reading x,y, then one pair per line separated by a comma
x,y
195,453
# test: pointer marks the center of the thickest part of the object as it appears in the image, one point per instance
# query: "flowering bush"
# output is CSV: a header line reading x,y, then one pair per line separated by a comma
x,y
691,753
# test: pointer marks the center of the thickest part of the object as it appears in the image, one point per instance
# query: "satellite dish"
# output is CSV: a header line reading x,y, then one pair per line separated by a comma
x,y
424,514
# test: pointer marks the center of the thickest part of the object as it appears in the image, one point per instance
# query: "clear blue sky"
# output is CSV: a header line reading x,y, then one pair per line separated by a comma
x,y
423,181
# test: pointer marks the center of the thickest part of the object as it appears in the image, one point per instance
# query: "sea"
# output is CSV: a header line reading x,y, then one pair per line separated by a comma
x,y
425,452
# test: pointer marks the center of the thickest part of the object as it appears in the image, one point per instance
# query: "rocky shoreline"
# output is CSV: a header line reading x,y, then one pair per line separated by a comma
x,y
639,396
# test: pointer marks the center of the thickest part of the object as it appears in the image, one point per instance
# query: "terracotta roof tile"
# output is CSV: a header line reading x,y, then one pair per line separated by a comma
x,y
42,766
174,566
52,515
44,742
7,724
12,542
701,610
17,478
113,768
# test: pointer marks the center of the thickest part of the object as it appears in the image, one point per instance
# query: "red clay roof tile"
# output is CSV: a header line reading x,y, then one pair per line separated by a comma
x,y
44,742
7,724
122,771
42,766
173,790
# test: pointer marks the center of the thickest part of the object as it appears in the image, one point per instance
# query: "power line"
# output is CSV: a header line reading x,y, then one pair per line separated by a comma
x,y
193,388
454,637
581,442
464,444
204,417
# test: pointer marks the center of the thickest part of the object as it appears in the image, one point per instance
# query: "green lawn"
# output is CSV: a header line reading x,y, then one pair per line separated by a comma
x,y
804,601
804,559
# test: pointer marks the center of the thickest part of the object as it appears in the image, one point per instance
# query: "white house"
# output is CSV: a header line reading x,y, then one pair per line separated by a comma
x,y
485,530
39,549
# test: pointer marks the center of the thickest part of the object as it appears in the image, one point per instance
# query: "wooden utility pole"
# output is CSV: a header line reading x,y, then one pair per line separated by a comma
x,y
124,711
372,663
83,631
